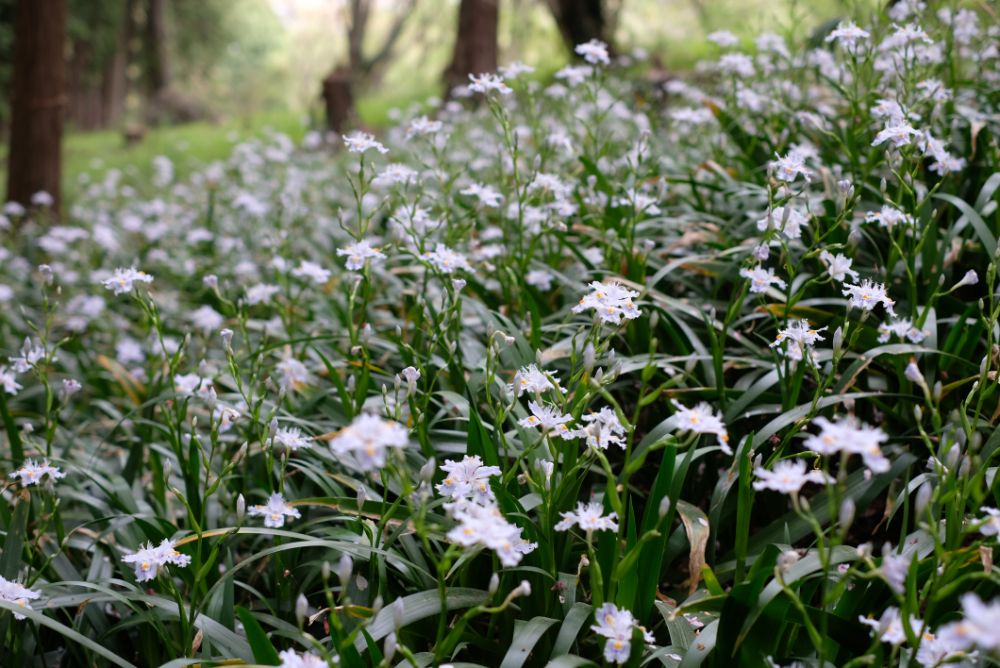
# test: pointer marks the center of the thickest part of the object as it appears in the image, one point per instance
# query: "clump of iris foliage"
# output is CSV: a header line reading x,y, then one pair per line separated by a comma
x,y
606,371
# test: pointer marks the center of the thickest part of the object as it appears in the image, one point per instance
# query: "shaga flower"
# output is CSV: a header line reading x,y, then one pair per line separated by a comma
x,y
594,52
611,301
486,83
868,295
889,216
549,420
274,511
18,594
889,626
124,280
311,271
797,341
9,381
761,279
895,568
850,435
787,477
838,266
897,134
293,374
616,624
367,439
446,260
603,429
902,328
990,525
700,420
531,379
790,167
29,357
292,659
787,219
32,473
468,480
359,142
291,438
148,560
589,517
977,628
848,34
189,383
485,526
359,253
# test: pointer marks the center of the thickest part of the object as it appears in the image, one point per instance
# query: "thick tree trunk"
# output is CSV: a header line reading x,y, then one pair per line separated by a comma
x,y
579,21
37,100
338,99
475,41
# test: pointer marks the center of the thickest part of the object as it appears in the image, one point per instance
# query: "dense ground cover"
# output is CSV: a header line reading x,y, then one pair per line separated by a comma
x,y
602,372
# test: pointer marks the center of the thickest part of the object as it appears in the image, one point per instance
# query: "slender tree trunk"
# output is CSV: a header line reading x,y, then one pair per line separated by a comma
x,y
37,100
338,99
579,21
114,82
475,41
156,40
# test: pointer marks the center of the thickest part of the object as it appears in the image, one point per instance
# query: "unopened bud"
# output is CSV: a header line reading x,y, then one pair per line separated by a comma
x,y
787,559
227,338
398,612
211,281
923,498
938,389
494,584
344,568
241,509
664,507
427,470
913,374
362,497
838,340
846,514
390,647
523,589
301,609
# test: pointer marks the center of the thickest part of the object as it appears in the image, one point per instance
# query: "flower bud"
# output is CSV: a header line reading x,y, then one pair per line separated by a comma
x,y
787,559
211,281
324,571
389,650
838,341
846,514
377,605
494,584
938,389
398,611
344,568
241,509
922,499
227,339
362,497
427,470
523,589
301,609
664,507
913,374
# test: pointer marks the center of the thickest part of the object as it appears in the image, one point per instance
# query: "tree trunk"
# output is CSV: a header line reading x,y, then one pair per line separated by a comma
x,y
37,100
579,21
156,40
338,99
114,80
475,41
